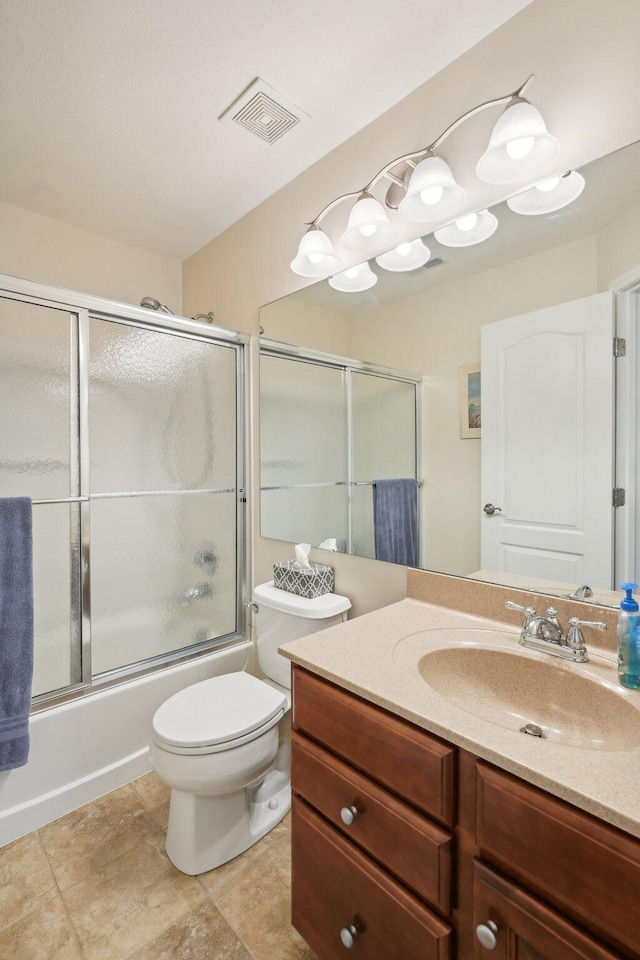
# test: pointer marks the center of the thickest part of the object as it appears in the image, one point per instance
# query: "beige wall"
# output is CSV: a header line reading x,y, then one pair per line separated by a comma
x,y
38,248
583,53
294,321
619,246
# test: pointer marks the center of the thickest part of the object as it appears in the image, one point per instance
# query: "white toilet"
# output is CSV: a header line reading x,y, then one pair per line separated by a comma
x,y
223,745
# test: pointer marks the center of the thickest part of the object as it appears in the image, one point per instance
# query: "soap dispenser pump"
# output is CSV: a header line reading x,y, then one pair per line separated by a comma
x,y
629,639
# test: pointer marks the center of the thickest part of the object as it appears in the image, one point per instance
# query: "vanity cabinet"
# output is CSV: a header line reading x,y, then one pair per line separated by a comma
x,y
404,844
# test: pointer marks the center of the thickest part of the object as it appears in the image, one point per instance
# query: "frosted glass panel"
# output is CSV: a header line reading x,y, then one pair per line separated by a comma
x,y
362,506
303,418
34,401
57,648
384,428
307,514
162,411
163,575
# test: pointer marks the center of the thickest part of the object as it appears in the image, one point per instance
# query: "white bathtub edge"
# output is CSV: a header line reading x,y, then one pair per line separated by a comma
x,y
67,770
36,813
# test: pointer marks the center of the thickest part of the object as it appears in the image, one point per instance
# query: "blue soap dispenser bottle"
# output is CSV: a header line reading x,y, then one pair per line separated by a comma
x,y
629,639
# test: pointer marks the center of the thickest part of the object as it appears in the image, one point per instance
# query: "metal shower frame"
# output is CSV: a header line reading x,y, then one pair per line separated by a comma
x,y
82,307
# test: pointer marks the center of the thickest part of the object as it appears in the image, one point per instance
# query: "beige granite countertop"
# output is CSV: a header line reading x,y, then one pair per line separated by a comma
x,y
376,656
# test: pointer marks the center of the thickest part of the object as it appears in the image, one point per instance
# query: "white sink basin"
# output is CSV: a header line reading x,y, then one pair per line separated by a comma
x,y
485,673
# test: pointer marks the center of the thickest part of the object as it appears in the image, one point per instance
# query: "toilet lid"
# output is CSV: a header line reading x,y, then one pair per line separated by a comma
x,y
217,710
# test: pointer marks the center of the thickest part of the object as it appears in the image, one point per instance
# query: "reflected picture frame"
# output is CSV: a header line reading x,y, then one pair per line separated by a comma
x,y
470,401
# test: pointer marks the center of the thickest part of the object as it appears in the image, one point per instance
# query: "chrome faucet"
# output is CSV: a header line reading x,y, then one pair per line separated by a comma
x,y
545,633
580,593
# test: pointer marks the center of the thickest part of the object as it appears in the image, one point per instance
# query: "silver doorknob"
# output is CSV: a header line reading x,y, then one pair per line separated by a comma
x,y
489,509
486,934
348,936
348,815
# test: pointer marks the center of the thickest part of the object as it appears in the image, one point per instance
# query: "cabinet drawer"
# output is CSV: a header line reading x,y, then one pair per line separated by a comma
x,y
412,848
408,761
335,886
590,870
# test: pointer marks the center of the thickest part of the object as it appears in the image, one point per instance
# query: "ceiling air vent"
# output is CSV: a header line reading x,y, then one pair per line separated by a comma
x,y
434,262
262,113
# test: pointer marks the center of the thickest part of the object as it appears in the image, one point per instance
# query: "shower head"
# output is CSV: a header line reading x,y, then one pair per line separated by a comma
x,y
150,303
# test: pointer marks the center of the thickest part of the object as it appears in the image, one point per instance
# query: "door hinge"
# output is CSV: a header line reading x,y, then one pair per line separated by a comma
x,y
619,347
619,497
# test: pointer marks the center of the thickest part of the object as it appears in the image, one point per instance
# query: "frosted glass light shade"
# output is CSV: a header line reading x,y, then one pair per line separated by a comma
x,y
316,256
546,197
406,256
354,279
432,192
466,231
520,147
368,226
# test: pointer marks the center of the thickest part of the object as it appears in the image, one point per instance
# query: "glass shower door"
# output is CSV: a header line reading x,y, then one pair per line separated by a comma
x,y
39,459
303,425
164,493
384,445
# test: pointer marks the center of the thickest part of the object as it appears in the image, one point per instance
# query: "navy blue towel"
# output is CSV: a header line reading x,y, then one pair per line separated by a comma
x,y
16,630
395,521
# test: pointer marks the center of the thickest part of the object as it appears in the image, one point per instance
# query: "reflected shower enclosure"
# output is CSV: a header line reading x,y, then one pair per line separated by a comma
x,y
330,427
128,436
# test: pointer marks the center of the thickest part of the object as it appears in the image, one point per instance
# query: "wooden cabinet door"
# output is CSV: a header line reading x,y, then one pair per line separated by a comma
x,y
527,929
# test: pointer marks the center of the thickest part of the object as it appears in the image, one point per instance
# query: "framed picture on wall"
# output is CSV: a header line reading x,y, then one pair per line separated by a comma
x,y
470,398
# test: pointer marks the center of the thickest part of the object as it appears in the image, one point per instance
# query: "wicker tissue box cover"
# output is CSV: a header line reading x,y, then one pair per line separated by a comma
x,y
306,583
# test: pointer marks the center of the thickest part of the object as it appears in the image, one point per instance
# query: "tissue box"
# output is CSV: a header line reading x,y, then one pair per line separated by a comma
x,y
306,583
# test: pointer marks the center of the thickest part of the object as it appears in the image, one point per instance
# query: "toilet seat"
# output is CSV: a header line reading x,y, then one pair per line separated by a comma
x,y
218,714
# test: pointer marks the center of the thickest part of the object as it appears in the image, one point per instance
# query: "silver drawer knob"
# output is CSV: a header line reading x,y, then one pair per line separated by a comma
x,y
486,934
348,815
348,936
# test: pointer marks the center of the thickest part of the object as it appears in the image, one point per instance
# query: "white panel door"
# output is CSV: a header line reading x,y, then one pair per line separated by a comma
x,y
547,443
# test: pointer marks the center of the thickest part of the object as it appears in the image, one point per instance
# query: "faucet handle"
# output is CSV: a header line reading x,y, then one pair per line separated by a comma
x,y
596,624
529,611
575,639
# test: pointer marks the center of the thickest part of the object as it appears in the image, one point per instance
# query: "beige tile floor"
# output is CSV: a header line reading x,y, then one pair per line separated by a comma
x,y
97,885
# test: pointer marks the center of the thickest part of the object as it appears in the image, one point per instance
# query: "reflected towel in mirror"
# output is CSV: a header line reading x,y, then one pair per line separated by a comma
x,y
395,521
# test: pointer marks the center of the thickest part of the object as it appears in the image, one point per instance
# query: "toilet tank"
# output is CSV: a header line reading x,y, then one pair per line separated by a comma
x,y
284,616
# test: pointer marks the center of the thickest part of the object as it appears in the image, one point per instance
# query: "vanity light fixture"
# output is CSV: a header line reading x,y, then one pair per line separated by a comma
x,y
406,256
354,279
467,230
550,195
316,256
520,146
432,192
423,188
368,225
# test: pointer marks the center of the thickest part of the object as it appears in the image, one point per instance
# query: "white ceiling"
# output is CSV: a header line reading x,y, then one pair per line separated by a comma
x,y
109,108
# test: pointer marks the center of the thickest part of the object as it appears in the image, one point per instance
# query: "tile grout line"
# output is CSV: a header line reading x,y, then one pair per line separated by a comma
x,y
61,898
152,940
52,889
108,859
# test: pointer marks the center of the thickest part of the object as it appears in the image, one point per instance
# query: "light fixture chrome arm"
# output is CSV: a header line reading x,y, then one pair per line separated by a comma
x,y
410,158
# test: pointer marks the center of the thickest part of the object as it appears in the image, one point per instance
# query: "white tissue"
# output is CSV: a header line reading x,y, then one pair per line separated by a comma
x,y
330,544
302,556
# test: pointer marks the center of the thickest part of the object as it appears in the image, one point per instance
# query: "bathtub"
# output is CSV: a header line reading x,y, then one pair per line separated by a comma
x,y
83,749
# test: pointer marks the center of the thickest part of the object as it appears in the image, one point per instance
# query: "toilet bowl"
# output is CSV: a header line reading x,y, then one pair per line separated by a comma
x,y
223,745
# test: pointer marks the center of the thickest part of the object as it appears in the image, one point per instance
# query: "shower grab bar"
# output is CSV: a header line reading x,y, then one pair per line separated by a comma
x,y
330,483
136,493
61,500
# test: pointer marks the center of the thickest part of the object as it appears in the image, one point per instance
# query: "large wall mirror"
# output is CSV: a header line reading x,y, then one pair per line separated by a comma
x,y
485,379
